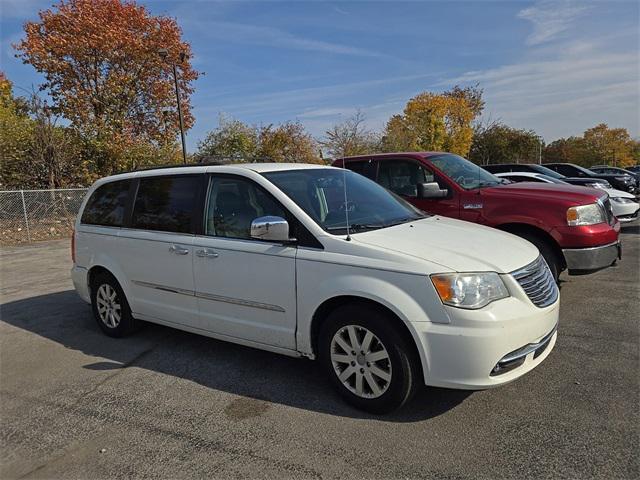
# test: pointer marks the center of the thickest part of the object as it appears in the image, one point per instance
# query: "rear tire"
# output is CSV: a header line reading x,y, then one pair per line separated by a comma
x,y
367,359
547,252
110,307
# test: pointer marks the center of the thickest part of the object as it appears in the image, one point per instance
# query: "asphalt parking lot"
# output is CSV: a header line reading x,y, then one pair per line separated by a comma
x,y
163,403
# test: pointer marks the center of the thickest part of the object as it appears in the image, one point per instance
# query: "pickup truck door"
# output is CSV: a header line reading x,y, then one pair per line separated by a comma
x,y
471,206
402,177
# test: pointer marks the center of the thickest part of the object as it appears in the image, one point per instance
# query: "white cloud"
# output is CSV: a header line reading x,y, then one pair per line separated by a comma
x,y
306,99
564,95
273,37
327,112
550,18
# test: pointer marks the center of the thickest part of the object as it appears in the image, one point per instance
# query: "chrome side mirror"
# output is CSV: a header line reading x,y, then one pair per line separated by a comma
x,y
275,229
431,190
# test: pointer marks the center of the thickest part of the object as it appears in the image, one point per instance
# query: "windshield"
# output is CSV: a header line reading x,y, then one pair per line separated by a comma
x,y
321,194
548,172
466,174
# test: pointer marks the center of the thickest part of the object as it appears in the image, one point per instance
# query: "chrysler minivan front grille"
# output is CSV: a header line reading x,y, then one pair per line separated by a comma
x,y
537,282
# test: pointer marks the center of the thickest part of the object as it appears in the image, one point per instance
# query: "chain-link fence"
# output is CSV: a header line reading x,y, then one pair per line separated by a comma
x,y
32,215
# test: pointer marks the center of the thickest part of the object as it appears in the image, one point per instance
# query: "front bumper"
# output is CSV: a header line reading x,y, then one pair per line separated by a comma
x,y
625,212
465,353
583,260
628,218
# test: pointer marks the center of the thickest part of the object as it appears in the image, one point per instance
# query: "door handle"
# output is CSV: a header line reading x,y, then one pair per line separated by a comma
x,y
206,253
178,250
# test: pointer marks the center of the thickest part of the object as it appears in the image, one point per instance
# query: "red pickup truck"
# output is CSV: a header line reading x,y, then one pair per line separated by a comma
x,y
573,227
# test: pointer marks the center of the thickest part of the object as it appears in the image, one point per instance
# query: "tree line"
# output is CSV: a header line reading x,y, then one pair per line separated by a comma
x,y
107,105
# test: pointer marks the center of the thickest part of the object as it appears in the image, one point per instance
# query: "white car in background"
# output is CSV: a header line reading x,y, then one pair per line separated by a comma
x,y
316,262
624,204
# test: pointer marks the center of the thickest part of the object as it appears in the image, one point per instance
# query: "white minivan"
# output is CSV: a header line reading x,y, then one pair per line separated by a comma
x,y
316,262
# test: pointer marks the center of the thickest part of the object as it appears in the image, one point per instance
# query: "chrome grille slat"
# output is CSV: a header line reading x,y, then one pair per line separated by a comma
x,y
537,282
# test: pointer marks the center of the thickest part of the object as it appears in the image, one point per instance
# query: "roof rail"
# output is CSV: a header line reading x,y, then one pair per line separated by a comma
x,y
176,165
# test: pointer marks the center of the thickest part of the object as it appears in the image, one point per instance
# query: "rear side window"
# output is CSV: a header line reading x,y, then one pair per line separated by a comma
x,y
166,203
567,171
107,204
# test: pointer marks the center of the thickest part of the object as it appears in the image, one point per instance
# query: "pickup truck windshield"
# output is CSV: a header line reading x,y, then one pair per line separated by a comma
x,y
321,194
466,174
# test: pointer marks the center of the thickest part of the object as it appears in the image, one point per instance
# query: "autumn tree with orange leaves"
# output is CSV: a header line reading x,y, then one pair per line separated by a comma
x,y
103,72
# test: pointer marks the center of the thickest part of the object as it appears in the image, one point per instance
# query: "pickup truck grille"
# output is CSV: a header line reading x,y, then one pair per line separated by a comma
x,y
537,282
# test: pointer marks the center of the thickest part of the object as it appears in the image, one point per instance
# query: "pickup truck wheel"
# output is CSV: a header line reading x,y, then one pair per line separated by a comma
x,y
110,307
546,251
366,359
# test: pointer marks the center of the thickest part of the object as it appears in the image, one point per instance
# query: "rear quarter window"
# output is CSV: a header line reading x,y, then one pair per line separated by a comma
x,y
107,204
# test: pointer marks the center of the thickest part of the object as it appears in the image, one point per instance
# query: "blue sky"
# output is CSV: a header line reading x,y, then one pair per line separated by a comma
x,y
557,67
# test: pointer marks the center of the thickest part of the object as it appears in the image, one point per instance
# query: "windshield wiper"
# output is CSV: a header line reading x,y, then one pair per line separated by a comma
x,y
488,184
357,227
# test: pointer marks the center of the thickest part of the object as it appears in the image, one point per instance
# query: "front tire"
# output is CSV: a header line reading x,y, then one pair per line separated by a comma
x,y
367,359
110,307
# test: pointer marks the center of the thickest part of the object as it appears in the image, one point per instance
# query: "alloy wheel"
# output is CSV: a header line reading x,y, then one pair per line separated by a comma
x,y
361,361
109,308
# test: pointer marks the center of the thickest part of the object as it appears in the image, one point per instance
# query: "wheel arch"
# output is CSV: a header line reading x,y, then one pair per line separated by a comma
x,y
517,228
331,304
96,270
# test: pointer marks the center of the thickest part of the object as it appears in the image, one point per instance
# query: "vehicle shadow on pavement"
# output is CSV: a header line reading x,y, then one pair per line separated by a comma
x,y
632,229
63,318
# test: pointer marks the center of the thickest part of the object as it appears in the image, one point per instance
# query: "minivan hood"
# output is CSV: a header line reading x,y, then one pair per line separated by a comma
x,y
461,246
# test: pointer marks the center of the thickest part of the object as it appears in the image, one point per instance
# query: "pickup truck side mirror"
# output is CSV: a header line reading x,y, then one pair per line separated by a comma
x,y
431,190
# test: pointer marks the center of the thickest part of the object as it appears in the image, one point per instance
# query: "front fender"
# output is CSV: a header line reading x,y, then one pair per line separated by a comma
x,y
411,298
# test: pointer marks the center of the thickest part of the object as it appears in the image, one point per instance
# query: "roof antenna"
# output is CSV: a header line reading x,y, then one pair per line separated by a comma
x,y
479,167
346,205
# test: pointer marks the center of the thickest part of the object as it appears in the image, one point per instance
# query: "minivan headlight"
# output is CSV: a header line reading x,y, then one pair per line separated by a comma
x,y
469,290
585,215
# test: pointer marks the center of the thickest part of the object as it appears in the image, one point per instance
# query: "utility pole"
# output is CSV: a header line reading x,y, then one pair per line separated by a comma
x,y
164,53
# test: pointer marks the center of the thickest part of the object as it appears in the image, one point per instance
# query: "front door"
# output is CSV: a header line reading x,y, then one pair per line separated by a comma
x,y
245,288
402,177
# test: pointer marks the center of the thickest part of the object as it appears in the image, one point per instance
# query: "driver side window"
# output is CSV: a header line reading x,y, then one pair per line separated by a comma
x,y
233,203
403,176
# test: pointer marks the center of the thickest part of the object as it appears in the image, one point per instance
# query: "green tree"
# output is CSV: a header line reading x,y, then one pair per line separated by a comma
x,y
287,142
16,130
612,146
571,150
35,151
598,145
232,141
499,143
55,155
437,122
350,137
